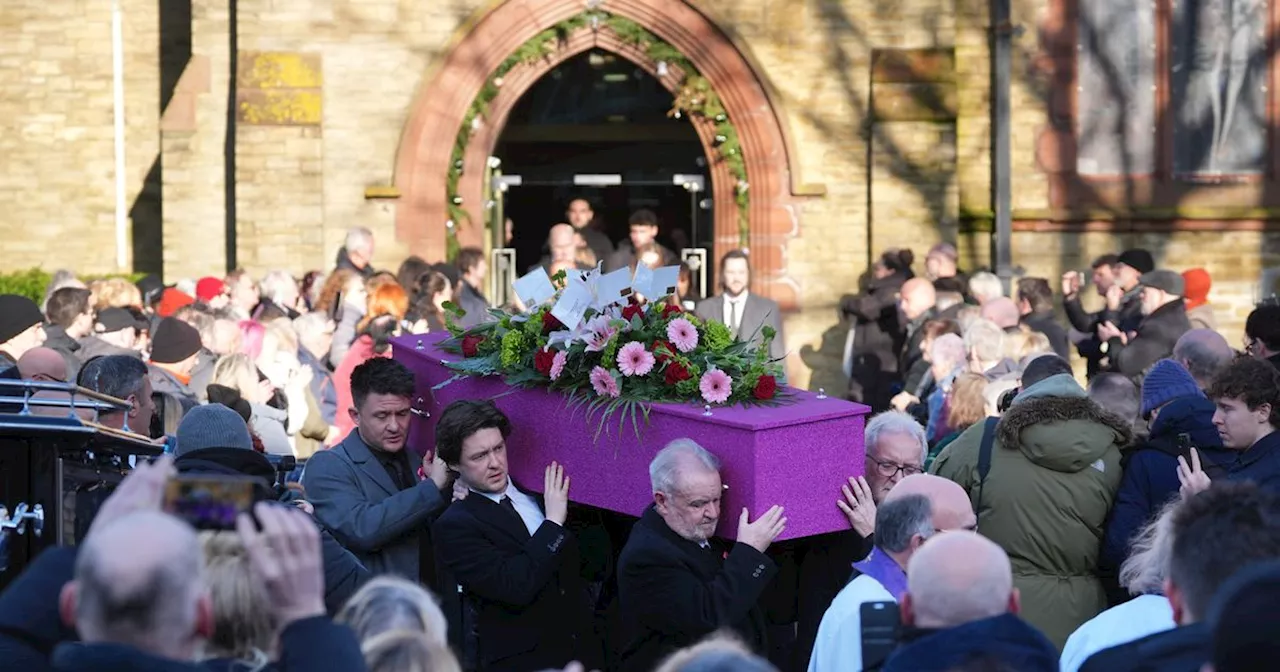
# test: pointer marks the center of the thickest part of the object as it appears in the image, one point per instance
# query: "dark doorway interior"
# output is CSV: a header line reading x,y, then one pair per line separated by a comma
x,y
599,114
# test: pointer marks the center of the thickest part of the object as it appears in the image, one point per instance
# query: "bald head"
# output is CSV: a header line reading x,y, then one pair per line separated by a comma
x,y
918,297
957,578
138,582
1003,311
562,243
1205,353
43,364
949,502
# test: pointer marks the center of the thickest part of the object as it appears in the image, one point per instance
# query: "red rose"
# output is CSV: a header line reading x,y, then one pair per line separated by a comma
x,y
676,373
632,310
659,353
766,387
550,323
671,309
471,345
543,359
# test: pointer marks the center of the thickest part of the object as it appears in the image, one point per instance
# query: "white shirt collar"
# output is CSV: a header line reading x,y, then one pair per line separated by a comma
x,y
497,496
741,298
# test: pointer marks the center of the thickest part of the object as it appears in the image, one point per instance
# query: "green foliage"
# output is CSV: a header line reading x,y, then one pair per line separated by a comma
x,y
512,343
33,282
695,97
717,336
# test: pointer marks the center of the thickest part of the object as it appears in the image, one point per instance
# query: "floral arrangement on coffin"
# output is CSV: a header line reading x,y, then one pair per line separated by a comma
x,y
622,358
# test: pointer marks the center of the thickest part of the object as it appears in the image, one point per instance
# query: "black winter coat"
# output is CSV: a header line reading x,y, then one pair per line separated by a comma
x,y
877,340
1157,334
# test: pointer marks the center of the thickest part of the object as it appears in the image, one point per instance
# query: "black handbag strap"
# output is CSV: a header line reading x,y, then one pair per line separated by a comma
x,y
984,458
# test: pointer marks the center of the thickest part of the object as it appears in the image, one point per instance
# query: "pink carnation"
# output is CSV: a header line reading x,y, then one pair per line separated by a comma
x,y
716,386
682,334
557,365
634,360
599,333
603,383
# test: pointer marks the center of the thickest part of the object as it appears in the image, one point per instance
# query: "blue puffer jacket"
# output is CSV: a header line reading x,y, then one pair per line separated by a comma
x,y
1151,476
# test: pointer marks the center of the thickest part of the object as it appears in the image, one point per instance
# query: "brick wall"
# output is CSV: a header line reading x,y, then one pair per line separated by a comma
x,y
300,186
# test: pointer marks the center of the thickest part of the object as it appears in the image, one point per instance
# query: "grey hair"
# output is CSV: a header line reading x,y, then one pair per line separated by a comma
x,y
984,339
949,349
277,284
116,376
721,652
985,286
665,465
1202,360
895,422
901,519
1144,572
358,238
1117,394
390,603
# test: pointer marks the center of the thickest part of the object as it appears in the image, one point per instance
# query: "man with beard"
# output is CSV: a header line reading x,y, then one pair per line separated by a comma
x,y
1164,322
745,314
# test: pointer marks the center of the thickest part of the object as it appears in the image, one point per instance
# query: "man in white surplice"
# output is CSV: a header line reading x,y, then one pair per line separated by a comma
x,y
917,508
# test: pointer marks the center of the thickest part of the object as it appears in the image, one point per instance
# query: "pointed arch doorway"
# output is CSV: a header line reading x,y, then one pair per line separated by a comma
x,y
425,154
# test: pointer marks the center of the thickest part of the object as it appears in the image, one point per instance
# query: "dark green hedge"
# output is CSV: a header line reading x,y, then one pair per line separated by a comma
x,y
32,282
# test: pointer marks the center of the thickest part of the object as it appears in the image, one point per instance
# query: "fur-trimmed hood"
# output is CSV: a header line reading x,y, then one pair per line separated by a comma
x,y
1065,432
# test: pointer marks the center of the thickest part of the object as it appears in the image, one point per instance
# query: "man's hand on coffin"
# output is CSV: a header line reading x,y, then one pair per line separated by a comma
x,y
760,534
141,490
556,494
285,557
436,470
859,507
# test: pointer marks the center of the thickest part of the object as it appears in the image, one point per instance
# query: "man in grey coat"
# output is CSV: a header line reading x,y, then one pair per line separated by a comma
x,y
472,269
366,490
736,307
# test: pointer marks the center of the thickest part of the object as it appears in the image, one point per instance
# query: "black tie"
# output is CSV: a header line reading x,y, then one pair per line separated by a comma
x,y
511,506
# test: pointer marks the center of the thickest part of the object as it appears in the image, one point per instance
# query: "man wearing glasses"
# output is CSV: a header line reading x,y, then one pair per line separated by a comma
x,y
895,449
917,508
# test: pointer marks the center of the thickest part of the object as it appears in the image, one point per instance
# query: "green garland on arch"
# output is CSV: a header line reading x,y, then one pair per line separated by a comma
x,y
695,98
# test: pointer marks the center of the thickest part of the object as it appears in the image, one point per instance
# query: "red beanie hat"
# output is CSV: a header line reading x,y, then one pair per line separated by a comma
x,y
208,289
1197,287
171,300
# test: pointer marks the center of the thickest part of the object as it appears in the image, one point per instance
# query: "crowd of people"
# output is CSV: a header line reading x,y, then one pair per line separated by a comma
x,y
1006,516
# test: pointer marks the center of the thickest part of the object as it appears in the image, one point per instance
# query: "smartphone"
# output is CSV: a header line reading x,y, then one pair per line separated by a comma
x,y
1086,276
880,623
210,501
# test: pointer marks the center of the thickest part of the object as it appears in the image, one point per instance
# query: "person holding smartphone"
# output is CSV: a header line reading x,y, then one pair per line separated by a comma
x,y
915,509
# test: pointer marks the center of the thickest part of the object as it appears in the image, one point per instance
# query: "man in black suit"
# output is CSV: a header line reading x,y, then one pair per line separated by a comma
x,y
745,314
366,489
676,584
509,550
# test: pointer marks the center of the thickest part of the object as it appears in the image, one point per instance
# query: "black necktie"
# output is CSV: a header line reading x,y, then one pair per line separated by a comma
x,y
511,506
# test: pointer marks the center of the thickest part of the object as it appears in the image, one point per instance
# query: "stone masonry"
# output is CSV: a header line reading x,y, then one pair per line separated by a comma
x,y
301,180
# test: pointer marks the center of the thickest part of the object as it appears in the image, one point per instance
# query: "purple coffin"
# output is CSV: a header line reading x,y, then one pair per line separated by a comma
x,y
796,455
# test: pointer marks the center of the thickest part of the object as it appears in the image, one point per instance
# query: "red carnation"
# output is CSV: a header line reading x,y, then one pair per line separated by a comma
x,y
542,361
550,323
471,345
671,309
766,387
632,310
676,373
658,352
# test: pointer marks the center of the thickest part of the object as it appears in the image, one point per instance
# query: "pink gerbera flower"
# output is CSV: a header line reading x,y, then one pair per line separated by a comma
x,y
557,365
634,360
716,386
603,383
599,333
682,334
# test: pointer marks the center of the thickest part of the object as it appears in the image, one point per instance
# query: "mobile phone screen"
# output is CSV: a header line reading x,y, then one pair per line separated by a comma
x,y
209,502
880,622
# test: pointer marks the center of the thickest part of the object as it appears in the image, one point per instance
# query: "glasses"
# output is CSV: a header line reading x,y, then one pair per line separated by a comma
x,y
891,469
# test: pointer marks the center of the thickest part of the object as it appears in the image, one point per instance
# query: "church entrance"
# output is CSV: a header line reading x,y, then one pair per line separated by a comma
x,y
597,127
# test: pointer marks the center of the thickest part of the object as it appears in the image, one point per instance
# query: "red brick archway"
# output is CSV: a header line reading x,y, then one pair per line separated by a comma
x,y
425,152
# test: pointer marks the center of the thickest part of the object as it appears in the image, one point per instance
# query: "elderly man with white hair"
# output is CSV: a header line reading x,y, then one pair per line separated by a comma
x,y
961,605
916,509
985,287
676,584
280,297
357,252
984,342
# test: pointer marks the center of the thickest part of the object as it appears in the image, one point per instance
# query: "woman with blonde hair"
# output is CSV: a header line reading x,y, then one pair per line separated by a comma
x,y
115,293
244,629
966,406
390,603
237,372
407,651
